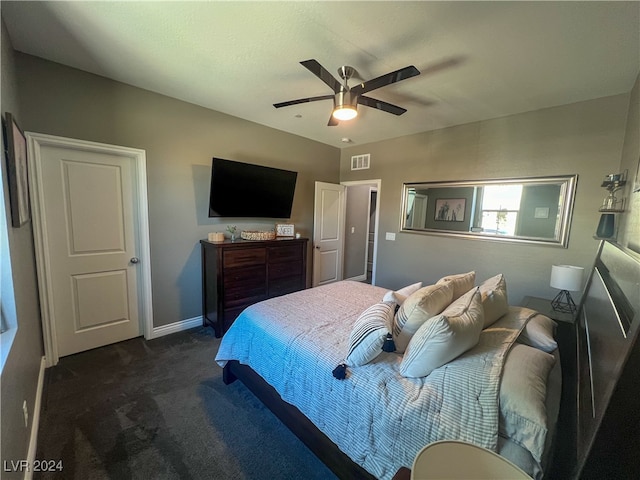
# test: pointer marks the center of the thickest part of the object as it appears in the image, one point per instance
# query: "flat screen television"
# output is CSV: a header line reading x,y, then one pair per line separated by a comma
x,y
246,190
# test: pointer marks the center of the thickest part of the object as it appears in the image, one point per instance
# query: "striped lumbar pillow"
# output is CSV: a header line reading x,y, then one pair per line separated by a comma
x,y
368,333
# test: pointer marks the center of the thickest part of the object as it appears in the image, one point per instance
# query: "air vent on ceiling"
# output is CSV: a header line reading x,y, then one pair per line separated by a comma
x,y
360,162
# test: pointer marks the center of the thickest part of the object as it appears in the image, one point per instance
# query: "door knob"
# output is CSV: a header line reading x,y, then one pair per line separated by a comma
x,y
317,247
134,260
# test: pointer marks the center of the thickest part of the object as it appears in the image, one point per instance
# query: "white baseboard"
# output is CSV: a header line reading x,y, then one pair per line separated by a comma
x,y
175,327
35,421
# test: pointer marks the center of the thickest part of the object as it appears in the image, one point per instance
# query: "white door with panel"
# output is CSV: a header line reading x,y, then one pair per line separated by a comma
x,y
328,233
87,202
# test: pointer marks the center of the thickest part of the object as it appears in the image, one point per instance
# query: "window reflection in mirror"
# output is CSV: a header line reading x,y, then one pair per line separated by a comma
x,y
535,210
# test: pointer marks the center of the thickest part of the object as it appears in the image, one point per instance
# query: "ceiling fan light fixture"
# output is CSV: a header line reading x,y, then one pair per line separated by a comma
x,y
345,105
345,112
345,98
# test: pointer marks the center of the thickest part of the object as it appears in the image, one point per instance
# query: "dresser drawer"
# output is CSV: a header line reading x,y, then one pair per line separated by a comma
x,y
244,285
286,253
230,315
239,293
280,270
282,286
245,276
244,256
244,299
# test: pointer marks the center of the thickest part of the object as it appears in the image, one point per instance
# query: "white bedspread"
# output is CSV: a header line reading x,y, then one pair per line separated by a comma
x,y
377,417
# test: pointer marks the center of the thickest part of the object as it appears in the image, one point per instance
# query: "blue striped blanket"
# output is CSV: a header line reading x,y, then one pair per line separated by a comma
x,y
377,417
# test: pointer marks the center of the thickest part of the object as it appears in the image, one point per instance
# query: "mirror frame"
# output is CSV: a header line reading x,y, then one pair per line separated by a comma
x,y
568,184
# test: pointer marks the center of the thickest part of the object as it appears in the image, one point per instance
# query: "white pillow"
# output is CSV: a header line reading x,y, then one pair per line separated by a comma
x,y
444,337
523,391
399,296
462,283
494,299
368,333
538,333
416,309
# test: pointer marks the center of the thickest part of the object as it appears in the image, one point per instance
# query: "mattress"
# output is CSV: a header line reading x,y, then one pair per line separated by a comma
x,y
377,417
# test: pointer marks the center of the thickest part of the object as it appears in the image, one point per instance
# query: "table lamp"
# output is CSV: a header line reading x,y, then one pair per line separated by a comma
x,y
566,278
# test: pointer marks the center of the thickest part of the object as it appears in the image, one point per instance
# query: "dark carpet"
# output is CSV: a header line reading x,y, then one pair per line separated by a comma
x,y
159,410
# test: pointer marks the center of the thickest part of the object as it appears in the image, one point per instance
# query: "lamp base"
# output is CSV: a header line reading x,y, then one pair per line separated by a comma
x,y
563,302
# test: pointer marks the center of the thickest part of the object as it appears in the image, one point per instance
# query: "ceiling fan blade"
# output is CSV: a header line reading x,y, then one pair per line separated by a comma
x,y
387,79
319,71
303,100
333,121
380,105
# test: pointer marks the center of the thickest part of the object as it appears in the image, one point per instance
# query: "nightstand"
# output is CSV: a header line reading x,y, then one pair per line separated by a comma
x,y
442,460
403,473
543,306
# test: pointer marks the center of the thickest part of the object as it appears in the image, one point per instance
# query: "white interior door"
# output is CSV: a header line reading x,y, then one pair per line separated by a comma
x,y
88,199
328,233
419,211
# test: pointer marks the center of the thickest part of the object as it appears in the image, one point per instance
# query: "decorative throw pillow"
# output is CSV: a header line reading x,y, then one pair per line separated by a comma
x,y
399,296
461,282
416,309
494,299
523,391
444,337
368,334
538,333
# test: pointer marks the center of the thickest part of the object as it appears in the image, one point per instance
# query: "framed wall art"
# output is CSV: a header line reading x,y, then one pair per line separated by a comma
x,y
541,212
450,209
16,153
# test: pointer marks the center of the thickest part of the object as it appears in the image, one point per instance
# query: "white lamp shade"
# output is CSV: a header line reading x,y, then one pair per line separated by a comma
x,y
566,277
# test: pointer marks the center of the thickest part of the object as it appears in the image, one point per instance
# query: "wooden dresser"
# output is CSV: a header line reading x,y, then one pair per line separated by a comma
x,y
240,273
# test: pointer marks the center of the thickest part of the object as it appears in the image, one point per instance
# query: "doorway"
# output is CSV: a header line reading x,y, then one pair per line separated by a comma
x,y
91,233
361,230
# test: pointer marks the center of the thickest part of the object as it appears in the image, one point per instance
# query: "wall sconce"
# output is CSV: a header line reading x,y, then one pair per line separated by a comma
x,y
611,204
613,183
566,278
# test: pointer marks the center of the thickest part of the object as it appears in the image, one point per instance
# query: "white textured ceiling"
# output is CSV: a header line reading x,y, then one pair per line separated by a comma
x,y
478,60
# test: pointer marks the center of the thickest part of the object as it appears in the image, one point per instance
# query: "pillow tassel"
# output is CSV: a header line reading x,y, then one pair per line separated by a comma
x,y
340,372
389,345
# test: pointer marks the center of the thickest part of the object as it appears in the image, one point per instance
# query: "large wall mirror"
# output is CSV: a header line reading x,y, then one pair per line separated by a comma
x,y
531,210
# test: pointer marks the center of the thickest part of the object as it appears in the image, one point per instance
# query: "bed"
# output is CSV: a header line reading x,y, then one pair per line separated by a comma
x,y
373,422
603,436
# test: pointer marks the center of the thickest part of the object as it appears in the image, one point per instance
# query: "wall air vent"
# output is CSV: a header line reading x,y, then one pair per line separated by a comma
x,y
360,162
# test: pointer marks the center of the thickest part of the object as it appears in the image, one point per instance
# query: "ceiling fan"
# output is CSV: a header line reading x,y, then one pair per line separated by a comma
x,y
345,98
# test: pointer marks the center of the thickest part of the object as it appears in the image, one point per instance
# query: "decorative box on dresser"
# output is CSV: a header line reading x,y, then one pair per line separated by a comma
x,y
240,273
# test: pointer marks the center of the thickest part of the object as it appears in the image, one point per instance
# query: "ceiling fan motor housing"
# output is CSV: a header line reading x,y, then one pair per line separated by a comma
x,y
345,98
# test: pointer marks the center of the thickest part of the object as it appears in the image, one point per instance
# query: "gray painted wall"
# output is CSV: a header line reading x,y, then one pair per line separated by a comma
x,y
179,139
629,222
20,373
584,138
